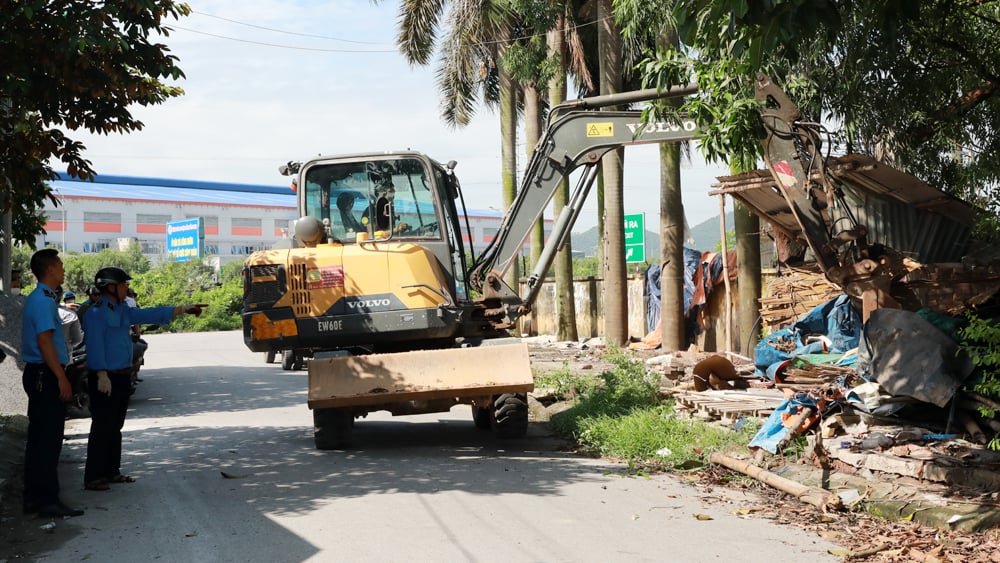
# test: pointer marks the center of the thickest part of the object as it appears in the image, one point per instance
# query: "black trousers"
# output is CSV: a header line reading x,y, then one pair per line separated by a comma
x,y
46,425
107,417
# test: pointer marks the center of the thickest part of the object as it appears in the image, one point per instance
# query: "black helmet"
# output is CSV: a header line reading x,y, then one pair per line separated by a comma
x,y
110,275
345,200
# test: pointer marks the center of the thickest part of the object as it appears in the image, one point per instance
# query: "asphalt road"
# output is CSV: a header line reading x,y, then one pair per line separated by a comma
x,y
222,448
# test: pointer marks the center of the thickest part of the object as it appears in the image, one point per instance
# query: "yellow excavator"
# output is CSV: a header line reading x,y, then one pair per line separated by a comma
x,y
382,293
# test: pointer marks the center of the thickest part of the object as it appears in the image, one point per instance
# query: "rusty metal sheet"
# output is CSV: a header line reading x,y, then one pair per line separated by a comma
x,y
871,176
899,210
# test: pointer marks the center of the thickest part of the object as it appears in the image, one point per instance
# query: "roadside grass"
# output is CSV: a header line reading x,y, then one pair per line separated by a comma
x,y
619,415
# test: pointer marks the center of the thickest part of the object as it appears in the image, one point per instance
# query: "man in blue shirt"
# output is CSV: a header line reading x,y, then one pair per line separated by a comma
x,y
106,331
43,349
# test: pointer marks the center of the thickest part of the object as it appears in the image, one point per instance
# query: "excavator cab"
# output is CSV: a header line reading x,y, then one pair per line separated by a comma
x,y
369,267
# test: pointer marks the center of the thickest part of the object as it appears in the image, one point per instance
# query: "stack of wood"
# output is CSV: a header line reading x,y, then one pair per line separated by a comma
x,y
816,374
978,428
728,405
793,294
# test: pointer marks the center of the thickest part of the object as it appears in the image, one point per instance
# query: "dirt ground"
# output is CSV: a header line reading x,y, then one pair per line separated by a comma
x,y
21,537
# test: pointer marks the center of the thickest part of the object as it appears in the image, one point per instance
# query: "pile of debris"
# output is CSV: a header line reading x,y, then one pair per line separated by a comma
x,y
793,294
885,398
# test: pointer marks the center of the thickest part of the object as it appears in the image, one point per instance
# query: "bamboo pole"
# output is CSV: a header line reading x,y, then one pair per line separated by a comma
x,y
725,274
820,498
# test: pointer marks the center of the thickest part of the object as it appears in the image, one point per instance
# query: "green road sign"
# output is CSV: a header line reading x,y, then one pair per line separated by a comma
x,y
635,238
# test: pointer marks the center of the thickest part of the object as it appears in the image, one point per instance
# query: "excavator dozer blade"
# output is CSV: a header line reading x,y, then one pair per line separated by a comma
x,y
419,375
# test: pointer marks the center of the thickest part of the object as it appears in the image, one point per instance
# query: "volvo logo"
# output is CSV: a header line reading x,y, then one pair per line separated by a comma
x,y
368,303
682,126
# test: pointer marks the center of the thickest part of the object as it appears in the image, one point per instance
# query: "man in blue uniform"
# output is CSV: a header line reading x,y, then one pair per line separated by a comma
x,y
106,329
45,355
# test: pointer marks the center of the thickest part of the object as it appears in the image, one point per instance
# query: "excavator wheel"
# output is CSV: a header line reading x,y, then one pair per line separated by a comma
x,y
332,428
510,415
288,360
269,357
482,416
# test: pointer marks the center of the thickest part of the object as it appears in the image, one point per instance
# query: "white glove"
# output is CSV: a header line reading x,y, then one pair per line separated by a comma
x,y
104,382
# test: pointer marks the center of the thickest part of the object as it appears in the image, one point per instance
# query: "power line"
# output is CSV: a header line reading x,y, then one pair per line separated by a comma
x,y
282,46
149,157
284,31
496,42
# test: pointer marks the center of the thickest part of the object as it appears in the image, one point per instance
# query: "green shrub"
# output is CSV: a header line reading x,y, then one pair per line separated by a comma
x,y
615,392
981,339
621,416
182,283
566,383
654,437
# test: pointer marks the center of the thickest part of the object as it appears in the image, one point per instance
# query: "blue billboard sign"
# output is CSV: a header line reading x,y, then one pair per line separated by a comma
x,y
186,239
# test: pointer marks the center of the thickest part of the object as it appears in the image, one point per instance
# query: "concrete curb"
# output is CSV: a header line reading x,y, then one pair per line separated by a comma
x,y
895,501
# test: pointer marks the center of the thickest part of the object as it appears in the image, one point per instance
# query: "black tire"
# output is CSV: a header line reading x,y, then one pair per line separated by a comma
x,y
510,415
288,361
269,357
332,428
79,407
81,395
483,417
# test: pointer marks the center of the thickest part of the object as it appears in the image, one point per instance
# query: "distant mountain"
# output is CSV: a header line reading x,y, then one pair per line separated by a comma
x,y
703,236
706,236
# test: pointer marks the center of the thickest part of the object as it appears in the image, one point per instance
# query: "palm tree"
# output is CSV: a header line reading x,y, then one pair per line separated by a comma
x,y
566,48
476,36
615,294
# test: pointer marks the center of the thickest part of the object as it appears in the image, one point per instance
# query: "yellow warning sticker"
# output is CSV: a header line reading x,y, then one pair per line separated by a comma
x,y
606,129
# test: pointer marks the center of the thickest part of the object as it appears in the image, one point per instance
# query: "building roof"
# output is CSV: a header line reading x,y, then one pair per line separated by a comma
x,y
175,191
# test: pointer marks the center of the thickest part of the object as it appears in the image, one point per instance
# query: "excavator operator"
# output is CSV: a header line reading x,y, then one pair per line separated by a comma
x,y
345,205
384,212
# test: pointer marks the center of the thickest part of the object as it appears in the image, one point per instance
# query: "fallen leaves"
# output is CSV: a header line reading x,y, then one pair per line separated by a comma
x,y
860,535
700,516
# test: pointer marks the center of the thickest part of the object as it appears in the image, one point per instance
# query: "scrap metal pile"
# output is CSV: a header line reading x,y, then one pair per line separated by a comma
x,y
902,255
901,368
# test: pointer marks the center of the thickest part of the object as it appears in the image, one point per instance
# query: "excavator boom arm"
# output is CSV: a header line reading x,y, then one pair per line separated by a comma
x,y
576,136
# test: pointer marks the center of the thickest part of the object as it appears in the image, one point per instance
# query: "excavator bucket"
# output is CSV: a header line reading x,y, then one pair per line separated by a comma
x,y
452,373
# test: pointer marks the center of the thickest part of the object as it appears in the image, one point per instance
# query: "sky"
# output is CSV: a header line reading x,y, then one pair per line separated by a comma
x,y
271,81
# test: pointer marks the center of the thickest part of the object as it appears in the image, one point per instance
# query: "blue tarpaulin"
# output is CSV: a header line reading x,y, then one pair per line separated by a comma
x,y
774,429
836,320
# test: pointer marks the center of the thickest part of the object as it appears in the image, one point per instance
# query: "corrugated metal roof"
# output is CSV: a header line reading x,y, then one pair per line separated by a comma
x,y
899,210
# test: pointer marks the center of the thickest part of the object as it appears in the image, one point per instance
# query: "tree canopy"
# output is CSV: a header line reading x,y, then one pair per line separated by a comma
x,y
71,65
912,82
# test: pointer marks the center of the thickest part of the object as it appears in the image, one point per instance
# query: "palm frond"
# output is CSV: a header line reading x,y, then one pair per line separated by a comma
x,y
418,25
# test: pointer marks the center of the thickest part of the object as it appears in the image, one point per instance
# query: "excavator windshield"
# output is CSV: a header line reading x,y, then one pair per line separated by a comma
x,y
382,197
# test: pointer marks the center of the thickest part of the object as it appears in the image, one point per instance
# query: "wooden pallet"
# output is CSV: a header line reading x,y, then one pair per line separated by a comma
x,y
728,406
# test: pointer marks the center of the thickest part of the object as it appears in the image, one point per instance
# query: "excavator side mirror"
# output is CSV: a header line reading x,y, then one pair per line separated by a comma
x,y
289,168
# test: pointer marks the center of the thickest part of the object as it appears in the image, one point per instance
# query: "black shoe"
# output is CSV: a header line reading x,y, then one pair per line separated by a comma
x,y
30,508
58,510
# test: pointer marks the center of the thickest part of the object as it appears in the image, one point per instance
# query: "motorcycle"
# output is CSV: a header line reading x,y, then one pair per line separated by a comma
x,y
139,347
76,373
